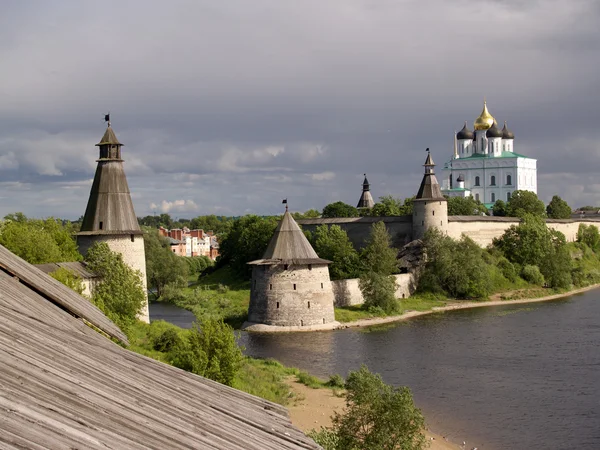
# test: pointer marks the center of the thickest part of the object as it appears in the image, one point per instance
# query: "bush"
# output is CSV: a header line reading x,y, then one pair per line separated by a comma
x,y
167,340
69,279
508,270
336,381
326,438
532,275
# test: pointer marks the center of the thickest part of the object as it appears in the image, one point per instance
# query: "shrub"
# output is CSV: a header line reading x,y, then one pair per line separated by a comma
x,y
326,438
532,275
69,279
167,340
336,381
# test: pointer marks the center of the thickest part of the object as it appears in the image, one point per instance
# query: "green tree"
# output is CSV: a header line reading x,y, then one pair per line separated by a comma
x,y
332,243
120,294
525,202
69,279
162,265
499,208
216,224
310,214
558,209
339,209
209,350
589,235
380,261
377,417
465,206
246,241
387,206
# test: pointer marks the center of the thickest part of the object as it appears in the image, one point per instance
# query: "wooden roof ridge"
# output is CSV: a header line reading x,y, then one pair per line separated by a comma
x,y
289,244
57,293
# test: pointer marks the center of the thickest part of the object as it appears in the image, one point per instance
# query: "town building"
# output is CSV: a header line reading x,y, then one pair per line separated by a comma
x,y
109,216
186,242
485,165
366,199
290,284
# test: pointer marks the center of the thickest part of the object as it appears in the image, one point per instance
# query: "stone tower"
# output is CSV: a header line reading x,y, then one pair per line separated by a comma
x,y
109,216
366,199
430,208
290,285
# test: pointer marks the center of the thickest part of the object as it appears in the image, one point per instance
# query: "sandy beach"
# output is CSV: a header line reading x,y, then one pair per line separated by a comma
x,y
314,409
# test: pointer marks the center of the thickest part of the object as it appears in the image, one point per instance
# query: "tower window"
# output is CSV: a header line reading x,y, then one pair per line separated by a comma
x,y
308,305
477,181
270,287
254,284
132,238
100,225
294,287
310,267
285,267
508,180
323,319
302,323
493,180
422,222
277,305
433,213
321,285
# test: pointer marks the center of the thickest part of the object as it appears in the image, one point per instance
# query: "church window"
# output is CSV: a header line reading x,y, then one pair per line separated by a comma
x,y
476,181
493,180
496,146
477,197
507,196
508,180
493,197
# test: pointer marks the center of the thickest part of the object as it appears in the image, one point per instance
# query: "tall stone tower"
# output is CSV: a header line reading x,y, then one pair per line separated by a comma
x,y
430,208
290,285
109,216
366,199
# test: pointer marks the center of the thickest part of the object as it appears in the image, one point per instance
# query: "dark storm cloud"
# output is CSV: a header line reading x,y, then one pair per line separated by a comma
x,y
226,107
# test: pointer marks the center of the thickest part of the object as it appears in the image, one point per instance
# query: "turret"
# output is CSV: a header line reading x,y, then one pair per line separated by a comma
x,y
290,284
464,140
109,216
494,139
366,199
508,139
430,208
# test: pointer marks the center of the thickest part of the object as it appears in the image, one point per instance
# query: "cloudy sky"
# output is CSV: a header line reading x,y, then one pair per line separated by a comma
x,y
228,106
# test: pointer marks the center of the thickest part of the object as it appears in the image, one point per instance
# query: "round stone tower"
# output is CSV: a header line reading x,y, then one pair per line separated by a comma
x,y
109,216
290,285
430,208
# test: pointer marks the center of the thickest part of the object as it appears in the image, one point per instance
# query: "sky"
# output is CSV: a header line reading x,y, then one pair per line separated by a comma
x,y
227,107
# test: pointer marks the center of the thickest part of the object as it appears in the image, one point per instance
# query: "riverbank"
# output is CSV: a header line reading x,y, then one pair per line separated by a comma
x,y
460,305
313,409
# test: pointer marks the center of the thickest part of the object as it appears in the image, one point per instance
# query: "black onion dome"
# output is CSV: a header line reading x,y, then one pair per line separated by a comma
x,y
460,178
465,133
506,133
493,131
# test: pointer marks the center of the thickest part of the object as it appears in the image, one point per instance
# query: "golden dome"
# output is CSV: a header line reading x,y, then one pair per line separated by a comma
x,y
485,119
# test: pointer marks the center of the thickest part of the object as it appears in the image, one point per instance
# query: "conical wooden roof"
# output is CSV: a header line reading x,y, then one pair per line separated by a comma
x,y
289,246
430,188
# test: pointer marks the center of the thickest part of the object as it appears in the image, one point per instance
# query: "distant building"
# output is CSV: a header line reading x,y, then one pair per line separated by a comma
x,y
484,163
366,199
109,216
186,242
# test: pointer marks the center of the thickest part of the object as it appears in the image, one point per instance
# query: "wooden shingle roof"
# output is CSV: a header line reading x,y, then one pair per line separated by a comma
x,y
63,385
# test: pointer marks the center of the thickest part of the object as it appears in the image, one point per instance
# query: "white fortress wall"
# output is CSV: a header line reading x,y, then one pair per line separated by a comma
x,y
347,292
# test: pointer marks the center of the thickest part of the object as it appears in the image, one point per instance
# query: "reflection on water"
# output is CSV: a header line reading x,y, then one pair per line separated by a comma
x,y
517,377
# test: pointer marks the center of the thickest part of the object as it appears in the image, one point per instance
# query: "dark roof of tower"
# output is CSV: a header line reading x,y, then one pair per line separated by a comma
x,y
109,138
289,246
494,131
366,184
66,385
460,178
110,209
465,133
366,200
430,188
506,133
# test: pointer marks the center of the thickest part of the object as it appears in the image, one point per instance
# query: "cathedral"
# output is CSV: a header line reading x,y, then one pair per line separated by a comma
x,y
484,164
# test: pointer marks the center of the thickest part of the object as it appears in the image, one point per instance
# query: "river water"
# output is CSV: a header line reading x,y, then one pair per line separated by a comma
x,y
507,377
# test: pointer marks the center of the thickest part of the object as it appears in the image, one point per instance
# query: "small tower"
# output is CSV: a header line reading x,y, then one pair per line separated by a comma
x,y
290,285
430,208
508,139
465,141
109,216
366,199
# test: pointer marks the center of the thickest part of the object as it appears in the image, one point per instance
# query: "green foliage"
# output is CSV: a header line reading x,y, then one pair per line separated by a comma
x,y
377,285
499,209
163,267
326,438
377,417
310,214
69,279
465,206
38,241
209,350
391,206
246,241
198,264
532,275
332,243
589,235
120,294
460,269
525,202
336,381
309,380
558,209
339,209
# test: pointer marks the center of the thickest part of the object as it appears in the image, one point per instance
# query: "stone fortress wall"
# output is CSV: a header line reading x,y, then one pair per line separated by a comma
x,y
347,292
291,295
131,247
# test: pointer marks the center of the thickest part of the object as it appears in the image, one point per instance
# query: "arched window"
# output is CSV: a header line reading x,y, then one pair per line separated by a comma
x,y
508,180
493,197
477,181
507,196
493,180
477,197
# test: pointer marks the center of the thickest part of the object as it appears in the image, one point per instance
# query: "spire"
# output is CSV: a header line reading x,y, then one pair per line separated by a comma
x,y
430,188
366,199
289,246
110,209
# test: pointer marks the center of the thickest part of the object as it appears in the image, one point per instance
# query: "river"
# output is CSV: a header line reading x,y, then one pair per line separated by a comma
x,y
505,377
